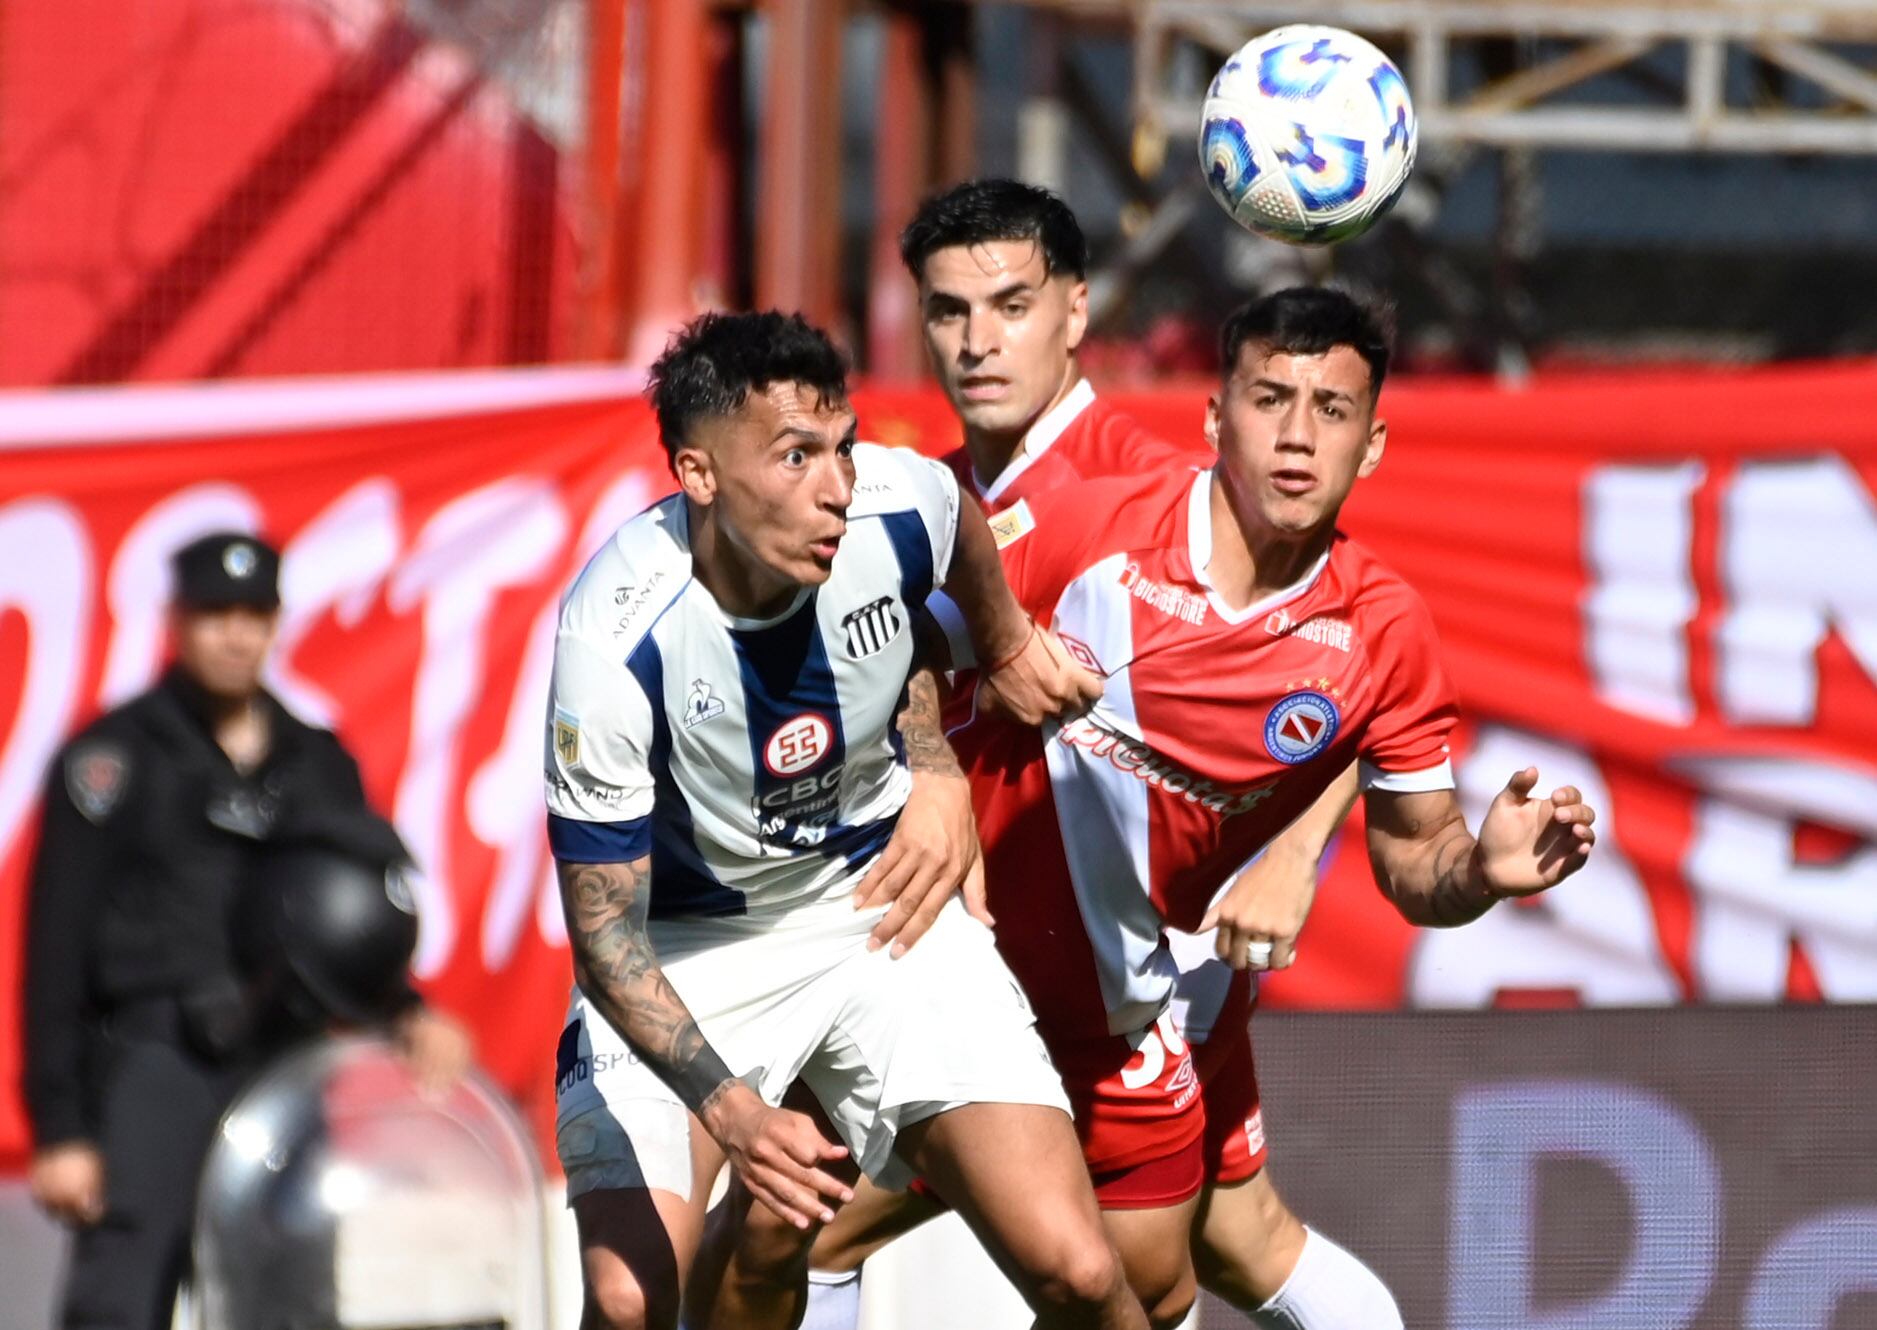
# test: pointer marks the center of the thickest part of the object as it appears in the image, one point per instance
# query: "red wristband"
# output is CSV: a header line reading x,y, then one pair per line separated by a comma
x,y
994,668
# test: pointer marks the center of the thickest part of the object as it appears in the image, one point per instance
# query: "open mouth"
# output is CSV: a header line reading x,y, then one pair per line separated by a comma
x,y
983,389
1290,481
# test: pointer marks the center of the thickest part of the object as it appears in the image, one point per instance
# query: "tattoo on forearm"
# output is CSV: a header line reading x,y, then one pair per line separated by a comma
x,y
606,906
1453,901
921,728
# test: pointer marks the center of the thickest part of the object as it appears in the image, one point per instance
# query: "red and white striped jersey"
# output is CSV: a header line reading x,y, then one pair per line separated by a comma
x,y
1082,437
1218,728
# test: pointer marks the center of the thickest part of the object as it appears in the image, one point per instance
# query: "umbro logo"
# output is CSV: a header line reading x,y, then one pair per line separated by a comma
x,y
871,628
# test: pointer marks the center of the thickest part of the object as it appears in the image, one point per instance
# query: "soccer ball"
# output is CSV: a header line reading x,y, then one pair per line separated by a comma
x,y
1307,135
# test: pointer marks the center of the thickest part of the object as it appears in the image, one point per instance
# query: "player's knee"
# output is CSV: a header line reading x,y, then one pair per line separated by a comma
x,y
1168,1306
770,1249
1083,1273
614,1301
836,1254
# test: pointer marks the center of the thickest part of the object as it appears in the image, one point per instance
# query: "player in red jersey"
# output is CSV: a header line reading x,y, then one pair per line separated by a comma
x,y
1000,267
1249,651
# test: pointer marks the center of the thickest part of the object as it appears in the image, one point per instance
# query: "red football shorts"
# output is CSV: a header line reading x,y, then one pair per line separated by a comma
x,y
1233,1143
1138,1115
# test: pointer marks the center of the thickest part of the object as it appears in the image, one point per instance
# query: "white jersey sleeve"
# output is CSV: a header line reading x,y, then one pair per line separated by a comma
x,y
898,482
599,778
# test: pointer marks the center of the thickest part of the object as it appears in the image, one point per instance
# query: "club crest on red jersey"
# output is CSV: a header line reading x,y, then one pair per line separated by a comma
x,y
1300,726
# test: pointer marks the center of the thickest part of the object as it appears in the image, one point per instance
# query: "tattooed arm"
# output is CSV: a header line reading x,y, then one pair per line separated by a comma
x,y
1439,876
934,850
777,1152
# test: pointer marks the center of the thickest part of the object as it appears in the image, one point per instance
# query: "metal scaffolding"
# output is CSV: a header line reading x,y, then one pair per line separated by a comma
x,y
1582,39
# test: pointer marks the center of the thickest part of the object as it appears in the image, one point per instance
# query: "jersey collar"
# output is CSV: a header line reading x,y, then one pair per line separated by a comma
x,y
1199,550
1037,440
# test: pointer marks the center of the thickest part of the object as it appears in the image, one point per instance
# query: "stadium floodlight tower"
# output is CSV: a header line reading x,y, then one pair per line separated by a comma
x,y
337,1196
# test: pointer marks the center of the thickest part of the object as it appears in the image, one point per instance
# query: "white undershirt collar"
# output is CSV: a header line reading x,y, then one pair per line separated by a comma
x,y
1037,440
1199,550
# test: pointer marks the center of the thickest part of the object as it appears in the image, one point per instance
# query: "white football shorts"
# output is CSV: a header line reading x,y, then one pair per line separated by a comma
x,y
883,1043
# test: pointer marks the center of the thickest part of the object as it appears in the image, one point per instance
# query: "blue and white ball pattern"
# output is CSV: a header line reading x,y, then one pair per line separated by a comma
x,y
1307,135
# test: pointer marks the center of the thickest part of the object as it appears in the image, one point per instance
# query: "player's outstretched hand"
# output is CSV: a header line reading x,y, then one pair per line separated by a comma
x,y
933,852
1041,682
778,1153
1527,844
1263,911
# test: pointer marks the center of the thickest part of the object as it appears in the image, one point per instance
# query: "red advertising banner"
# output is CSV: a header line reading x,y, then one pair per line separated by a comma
x,y
1661,587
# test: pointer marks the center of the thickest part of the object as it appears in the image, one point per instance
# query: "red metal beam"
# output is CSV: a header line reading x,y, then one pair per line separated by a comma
x,y
902,173
676,125
596,331
799,232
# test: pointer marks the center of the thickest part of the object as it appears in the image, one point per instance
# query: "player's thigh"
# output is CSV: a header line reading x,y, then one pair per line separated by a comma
x,y
1156,1257
867,1223
945,1024
639,1171
1016,1175
1245,1240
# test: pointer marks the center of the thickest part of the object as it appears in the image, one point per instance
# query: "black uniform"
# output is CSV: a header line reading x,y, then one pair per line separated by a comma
x,y
137,1029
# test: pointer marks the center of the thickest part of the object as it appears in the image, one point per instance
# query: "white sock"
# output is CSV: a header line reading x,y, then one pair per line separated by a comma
x,y
833,1301
1329,1290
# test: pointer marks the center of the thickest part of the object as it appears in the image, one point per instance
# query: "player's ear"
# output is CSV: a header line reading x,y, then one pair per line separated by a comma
x,y
1378,440
1078,312
696,477
1212,421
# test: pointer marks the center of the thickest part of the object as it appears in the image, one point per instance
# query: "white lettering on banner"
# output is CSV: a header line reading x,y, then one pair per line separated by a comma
x,y
1798,558
46,575
1669,1175
499,815
138,588
1753,901
1812,1268
1595,935
336,564
503,805
1638,540
506,534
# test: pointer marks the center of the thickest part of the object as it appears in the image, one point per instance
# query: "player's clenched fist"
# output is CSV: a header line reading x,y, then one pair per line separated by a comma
x,y
778,1153
1527,844
1039,682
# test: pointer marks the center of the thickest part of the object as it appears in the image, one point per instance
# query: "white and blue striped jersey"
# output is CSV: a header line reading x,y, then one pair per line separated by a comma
x,y
759,763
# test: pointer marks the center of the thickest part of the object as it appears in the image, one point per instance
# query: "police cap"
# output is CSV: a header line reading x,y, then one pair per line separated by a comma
x,y
227,568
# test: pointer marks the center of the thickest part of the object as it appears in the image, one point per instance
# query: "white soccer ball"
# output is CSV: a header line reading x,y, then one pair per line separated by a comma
x,y
1307,135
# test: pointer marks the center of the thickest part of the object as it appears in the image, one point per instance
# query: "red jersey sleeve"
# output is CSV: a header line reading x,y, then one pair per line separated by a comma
x,y
1405,744
1048,540
1119,445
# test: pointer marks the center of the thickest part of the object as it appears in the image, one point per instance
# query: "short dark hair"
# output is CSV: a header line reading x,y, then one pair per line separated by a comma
x,y
1308,321
980,211
713,363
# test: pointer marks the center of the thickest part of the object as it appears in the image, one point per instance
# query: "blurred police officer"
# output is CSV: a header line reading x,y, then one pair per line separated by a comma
x,y
140,1024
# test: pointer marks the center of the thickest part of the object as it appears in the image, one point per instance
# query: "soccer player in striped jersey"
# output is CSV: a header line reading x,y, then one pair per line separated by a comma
x,y
1001,271
724,763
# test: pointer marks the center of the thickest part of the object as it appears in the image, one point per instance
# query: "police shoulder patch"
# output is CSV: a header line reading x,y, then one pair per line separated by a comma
x,y
96,774
1013,524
